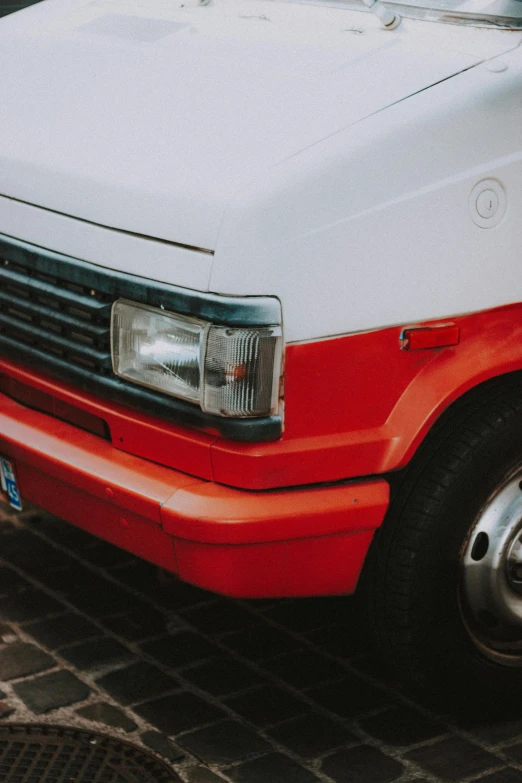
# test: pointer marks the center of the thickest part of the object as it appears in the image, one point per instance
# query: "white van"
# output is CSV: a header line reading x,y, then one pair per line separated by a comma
x,y
260,272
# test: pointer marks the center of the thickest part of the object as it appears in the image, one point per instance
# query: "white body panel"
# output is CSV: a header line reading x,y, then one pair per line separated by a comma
x,y
106,247
156,135
299,142
373,227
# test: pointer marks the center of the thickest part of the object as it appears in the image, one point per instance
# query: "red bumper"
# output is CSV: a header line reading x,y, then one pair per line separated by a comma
x,y
309,541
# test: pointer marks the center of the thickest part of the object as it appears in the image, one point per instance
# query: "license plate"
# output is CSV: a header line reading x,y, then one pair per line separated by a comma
x,y
9,485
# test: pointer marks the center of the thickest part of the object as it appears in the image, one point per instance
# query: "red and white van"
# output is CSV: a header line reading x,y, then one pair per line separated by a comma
x,y
260,272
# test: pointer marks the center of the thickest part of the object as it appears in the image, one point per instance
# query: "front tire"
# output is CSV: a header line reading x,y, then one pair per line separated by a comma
x,y
442,586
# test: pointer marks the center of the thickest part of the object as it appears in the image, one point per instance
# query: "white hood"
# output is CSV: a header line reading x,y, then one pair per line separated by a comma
x,y
149,117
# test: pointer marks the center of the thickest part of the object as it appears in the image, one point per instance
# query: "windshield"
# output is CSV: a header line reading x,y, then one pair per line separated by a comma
x,y
497,13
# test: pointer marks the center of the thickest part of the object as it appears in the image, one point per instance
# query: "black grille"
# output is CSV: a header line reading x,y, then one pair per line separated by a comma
x,y
48,754
55,316
64,319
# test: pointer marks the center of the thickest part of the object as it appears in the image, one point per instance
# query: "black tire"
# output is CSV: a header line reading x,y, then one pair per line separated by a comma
x,y
411,585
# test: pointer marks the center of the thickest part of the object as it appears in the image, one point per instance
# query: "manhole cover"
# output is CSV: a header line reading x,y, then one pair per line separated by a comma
x,y
49,754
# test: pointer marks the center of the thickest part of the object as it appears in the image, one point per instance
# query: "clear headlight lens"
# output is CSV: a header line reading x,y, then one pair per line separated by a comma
x,y
157,349
228,371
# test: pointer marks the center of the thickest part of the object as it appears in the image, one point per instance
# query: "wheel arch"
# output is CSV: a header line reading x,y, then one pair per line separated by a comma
x,y
488,359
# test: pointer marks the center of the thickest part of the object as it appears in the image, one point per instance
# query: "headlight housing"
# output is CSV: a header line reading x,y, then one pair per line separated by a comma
x,y
229,371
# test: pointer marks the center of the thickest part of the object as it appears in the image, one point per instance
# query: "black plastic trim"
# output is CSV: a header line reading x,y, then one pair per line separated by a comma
x,y
223,310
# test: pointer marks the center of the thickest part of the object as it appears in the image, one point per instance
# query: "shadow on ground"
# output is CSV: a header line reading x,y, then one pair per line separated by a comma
x,y
271,691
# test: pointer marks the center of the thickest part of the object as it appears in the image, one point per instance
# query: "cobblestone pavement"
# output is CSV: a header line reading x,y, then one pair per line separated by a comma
x,y
241,691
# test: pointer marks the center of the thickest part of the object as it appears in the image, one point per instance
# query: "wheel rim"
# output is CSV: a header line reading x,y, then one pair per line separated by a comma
x,y
491,575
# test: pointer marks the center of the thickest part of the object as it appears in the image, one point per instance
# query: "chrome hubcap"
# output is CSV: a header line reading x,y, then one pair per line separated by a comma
x,y
491,575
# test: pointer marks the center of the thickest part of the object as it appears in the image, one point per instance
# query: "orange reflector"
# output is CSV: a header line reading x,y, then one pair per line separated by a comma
x,y
423,337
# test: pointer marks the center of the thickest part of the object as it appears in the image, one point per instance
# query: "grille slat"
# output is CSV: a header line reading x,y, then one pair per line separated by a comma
x,y
67,349
59,317
51,293
51,319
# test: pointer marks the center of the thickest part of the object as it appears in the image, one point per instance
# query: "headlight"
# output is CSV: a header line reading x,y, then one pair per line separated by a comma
x,y
231,371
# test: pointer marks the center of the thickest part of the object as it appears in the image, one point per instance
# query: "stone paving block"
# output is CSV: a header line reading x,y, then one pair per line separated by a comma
x,y
401,726
342,641
171,594
312,735
202,775
137,574
369,662
362,764
20,659
305,668
57,578
107,556
50,691
28,605
507,775
135,625
69,577
102,712
349,698
514,752
10,581
257,644
162,745
221,676
80,580
224,743
180,648
95,653
27,551
137,682
100,598
56,632
46,561
494,732
453,758
69,536
219,617
307,614
267,705
179,712
176,595
273,768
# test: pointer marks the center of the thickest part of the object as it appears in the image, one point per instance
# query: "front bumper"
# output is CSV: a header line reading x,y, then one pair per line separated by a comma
x,y
307,541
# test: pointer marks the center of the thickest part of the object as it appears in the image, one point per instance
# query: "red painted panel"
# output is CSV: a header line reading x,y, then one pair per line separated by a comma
x,y
211,513
354,406
102,518
358,405
302,542
177,447
85,461
314,566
